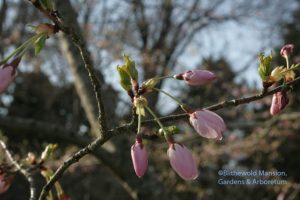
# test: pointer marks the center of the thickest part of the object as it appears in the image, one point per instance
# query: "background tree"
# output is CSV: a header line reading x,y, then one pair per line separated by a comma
x,y
53,101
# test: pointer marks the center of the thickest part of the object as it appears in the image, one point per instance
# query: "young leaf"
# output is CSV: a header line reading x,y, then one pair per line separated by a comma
x,y
265,66
39,44
125,78
46,4
130,67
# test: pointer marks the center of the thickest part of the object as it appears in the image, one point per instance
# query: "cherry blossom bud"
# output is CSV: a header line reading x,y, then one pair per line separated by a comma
x,y
4,183
208,124
8,74
196,77
286,50
182,161
279,102
139,157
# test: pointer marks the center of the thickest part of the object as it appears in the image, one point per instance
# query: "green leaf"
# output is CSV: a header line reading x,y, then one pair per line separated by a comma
x,y
39,43
294,66
171,130
130,67
50,148
124,78
46,4
265,66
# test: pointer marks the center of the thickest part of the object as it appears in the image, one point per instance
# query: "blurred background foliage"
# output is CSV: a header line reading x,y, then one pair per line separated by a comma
x,y
164,37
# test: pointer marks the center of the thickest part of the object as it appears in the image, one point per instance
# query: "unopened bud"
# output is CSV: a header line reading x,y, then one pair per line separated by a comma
x,y
286,50
140,103
279,101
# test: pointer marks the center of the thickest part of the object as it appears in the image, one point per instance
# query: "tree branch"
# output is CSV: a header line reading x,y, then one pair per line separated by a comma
x,y
99,141
225,104
83,152
28,176
79,43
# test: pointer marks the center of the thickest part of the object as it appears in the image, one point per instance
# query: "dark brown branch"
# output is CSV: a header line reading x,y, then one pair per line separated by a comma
x,y
54,17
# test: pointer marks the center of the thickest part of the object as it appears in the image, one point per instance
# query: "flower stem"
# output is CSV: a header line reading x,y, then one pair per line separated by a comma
x,y
21,49
139,124
163,77
171,96
287,62
157,120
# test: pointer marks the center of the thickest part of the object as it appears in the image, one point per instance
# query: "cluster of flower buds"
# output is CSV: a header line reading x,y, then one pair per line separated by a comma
x,y
271,76
207,123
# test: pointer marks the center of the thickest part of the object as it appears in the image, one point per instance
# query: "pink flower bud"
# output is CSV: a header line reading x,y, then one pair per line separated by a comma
x,y
8,74
182,161
4,183
196,77
279,101
139,158
208,124
286,50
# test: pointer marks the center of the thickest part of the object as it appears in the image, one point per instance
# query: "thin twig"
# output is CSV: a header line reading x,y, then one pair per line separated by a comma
x,y
224,104
28,176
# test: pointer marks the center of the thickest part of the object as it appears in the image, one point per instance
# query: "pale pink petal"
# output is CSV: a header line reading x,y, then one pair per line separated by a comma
x,y
198,77
3,185
208,124
7,76
287,49
279,102
139,158
182,161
